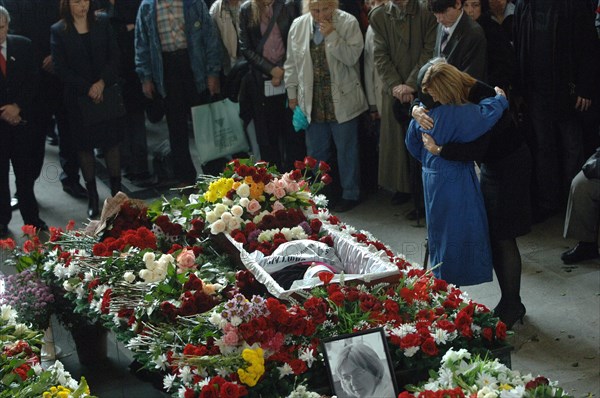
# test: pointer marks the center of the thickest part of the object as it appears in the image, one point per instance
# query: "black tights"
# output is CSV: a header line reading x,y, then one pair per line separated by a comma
x,y
507,264
88,163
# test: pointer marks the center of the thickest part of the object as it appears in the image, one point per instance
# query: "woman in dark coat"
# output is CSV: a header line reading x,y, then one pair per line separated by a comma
x,y
85,55
277,141
505,174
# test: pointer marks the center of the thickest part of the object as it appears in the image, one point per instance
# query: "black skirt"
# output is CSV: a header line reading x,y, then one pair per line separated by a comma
x,y
506,191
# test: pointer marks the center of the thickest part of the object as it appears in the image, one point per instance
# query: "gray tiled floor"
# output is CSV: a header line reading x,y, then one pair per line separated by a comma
x,y
560,338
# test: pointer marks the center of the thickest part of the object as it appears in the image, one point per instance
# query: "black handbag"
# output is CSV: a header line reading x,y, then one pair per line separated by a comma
x,y
111,107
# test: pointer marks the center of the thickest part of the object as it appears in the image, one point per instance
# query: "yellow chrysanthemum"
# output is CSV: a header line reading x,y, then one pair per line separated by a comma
x,y
506,387
252,373
218,189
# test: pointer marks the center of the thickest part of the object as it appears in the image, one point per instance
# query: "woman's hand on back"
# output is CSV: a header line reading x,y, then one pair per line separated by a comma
x,y
420,115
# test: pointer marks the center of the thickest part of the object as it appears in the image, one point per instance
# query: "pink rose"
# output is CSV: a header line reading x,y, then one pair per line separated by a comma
x,y
253,206
277,206
186,260
279,192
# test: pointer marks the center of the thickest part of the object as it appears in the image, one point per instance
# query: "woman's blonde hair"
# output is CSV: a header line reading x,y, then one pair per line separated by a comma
x,y
307,3
451,86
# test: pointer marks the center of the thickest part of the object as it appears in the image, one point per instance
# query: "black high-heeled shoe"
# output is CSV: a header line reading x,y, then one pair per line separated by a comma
x,y
93,201
511,314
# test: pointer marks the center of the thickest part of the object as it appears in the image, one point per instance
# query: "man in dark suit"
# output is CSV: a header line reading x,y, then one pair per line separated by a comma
x,y
18,76
459,39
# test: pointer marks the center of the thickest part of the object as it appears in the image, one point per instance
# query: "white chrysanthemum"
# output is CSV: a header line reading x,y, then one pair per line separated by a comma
x,y
285,370
440,336
485,379
236,320
61,272
308,356
160,362
20,329
168,382
129,276
186,374
181,392
37,368
409,352
517,392
217,227
211,217
243,190
404,330
445,378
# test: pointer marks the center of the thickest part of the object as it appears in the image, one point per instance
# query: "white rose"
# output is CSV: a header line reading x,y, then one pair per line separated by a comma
x,y
226,217
244,202
243,190
220,209
145,274
234,223
67,286
148,257
129,276
217,227
226,201
211,217
237,210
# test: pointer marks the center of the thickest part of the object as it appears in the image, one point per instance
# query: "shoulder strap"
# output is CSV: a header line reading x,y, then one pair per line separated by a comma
x,y
276,10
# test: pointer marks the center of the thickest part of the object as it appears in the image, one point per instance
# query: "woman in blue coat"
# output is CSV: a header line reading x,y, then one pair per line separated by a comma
x,y
457,223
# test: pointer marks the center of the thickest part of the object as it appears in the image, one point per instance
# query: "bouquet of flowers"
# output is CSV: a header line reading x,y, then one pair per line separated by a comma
x,y
29,296
21,375
462,374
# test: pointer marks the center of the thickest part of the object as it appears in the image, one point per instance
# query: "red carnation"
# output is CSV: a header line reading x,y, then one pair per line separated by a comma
x,y
501,330
429,347
229,390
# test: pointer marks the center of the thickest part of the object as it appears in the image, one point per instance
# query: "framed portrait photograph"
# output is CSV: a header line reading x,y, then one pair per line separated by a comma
x,y
360,366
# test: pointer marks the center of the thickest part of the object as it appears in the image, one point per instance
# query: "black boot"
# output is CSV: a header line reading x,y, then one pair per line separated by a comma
x,y
115,185
93,200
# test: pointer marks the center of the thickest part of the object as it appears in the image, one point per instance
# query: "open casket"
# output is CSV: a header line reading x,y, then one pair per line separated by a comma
x,y
360,263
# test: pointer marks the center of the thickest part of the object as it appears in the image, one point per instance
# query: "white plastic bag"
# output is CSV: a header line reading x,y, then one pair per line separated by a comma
x,y
218,130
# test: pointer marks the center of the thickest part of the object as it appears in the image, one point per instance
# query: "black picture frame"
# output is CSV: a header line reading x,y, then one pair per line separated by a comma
x,y
351,356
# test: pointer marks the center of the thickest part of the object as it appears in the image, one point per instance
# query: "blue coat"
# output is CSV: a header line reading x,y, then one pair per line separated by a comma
x,y
203,42
456,218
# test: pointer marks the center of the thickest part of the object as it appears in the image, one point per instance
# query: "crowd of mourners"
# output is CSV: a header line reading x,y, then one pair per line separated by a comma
x,y
401,95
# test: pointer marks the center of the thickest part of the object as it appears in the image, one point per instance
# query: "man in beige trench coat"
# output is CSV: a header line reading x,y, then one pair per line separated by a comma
x,y
405,34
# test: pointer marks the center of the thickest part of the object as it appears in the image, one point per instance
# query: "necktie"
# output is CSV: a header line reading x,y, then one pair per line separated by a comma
x,y
317,35
2,61
445,35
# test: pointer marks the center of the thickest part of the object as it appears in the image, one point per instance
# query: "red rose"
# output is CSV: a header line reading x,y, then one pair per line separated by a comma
x,y
229,390
310,162
500,330
326,179
324,167
298,366
315,225
410,340
429,347
299,165
29,230
325,277
488,334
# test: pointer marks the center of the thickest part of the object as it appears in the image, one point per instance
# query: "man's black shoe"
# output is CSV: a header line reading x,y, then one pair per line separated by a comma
x,y
14,203
581,252
3,231
75,190
346,205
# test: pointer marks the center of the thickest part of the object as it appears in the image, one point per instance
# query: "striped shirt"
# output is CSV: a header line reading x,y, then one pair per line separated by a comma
x,y
171,25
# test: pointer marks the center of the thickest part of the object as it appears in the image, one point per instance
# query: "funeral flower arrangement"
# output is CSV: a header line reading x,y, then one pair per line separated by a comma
x,y
463,374
21,374
158,277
